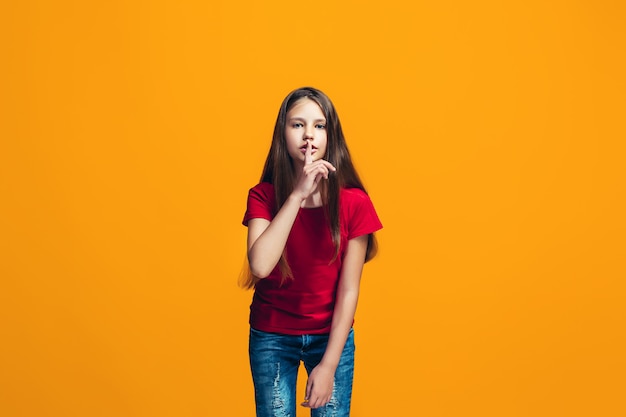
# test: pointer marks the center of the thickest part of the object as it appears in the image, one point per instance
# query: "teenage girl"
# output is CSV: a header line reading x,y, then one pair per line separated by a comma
x,y
310,230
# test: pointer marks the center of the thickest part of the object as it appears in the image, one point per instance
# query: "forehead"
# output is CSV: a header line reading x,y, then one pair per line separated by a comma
x,y
306,108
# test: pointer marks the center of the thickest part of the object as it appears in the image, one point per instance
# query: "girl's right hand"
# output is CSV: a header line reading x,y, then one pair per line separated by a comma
x,y
311,174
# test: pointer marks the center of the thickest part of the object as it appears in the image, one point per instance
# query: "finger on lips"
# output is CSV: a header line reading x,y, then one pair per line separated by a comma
x,y
308,157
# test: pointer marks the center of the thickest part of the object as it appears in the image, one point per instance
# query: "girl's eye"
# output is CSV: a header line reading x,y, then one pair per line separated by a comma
x,y
297,125
320,126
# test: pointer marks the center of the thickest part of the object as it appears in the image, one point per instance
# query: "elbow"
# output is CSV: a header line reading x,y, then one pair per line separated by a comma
x,y
259,272
258,269
262,262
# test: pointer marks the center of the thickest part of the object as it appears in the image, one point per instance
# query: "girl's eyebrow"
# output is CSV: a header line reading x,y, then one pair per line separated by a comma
x,y
303,120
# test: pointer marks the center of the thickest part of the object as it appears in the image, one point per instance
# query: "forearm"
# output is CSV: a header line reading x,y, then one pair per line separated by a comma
x,y
343,317
346,300
265,249
320,383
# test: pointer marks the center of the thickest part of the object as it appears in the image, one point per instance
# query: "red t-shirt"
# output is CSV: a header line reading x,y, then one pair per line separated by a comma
x,y
305,304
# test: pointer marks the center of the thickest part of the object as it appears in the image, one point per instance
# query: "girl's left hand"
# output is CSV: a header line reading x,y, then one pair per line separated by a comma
x,y
319,387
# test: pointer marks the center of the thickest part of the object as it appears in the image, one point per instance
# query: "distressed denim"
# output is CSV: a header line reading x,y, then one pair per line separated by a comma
x,y
274,361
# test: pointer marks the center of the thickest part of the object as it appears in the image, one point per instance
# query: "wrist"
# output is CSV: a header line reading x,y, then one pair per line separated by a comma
x,y
296,198
329,364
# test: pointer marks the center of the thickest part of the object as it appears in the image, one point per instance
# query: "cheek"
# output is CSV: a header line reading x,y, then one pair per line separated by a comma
x,y
325,141
289,138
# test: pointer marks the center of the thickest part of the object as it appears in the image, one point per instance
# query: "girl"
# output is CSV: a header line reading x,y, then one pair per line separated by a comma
x,y
310,230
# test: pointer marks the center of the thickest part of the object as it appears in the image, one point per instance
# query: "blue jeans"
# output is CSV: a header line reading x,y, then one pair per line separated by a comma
x,y
274,361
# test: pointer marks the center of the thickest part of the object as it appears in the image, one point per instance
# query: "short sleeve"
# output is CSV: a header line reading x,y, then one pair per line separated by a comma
x,y
362,217
260,203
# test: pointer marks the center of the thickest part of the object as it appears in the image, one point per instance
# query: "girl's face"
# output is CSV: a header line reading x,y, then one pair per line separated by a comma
x,y
305,123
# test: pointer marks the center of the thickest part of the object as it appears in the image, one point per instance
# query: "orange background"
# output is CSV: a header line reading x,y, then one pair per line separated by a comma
x,y
490,136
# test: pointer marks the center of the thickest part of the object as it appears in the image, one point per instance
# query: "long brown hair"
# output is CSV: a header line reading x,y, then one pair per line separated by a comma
x,y
278,170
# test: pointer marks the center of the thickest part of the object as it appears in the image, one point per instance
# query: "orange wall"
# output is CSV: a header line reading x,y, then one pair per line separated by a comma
x,y
490,136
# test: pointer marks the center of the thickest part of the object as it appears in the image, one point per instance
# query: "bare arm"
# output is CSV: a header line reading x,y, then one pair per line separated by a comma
x,y
320,383
266,240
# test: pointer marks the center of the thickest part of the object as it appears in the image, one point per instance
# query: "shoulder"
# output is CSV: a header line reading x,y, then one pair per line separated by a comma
x,y
353,196
262,194
260,202
354,200
358,212
264,190
264,186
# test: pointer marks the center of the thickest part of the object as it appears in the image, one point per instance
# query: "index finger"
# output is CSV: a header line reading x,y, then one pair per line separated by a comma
x,y
308,158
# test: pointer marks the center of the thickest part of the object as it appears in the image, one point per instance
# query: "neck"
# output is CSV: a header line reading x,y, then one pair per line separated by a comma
x,y
313,200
